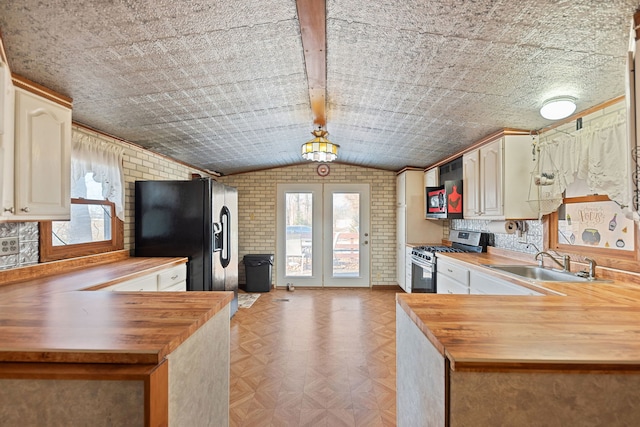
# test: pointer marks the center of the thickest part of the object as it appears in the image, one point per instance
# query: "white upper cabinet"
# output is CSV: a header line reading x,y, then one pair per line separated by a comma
x,y
42,158
471,184
431,177
496,179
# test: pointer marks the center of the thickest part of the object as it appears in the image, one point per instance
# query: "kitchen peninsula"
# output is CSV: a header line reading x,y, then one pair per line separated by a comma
x,y
568,357
71,354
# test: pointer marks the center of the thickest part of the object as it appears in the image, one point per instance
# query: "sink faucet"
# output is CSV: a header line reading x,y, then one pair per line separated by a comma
x,y
566,261
592,268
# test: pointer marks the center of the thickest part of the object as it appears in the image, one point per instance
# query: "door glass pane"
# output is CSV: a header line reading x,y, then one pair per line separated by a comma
x,y
299,238
346,234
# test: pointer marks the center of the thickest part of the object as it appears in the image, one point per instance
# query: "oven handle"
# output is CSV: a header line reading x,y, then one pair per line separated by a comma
x,y
422,264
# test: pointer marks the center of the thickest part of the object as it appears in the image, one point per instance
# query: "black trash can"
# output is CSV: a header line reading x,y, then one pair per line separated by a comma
x,y
258,272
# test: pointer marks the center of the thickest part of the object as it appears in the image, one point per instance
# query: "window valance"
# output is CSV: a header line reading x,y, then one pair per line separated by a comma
x,y
104,160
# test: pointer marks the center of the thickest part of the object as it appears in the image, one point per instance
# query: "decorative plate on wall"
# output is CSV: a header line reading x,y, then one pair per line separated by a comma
x,y
323,170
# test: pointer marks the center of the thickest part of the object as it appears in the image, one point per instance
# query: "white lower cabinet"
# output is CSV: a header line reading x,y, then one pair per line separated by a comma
x,y
172,279
452,278
446,285
484,284
145,283
407,270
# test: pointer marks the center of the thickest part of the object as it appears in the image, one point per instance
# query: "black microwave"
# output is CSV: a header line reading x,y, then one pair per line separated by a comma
x,y
444,201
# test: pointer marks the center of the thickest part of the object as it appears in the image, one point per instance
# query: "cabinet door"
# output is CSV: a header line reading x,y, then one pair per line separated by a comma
x,y
408,265
431,177
7,105
491,203
446,285
401,190
401,243
42,158
471,184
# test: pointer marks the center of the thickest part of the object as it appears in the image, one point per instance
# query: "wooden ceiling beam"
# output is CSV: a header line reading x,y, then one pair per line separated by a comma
x,y
312,17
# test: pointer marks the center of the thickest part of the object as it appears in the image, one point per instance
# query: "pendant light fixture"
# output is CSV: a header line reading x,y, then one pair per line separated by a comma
x,y
320,149
558,108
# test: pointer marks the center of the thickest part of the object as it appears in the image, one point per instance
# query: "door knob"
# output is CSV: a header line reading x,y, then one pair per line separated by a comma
x,y
25,209
10,210
366,242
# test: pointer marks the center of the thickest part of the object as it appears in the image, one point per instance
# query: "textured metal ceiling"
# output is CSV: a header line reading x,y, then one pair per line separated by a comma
x,y
222,85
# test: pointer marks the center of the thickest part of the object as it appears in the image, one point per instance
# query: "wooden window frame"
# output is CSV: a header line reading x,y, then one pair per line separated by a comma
x,y
49,252
622,260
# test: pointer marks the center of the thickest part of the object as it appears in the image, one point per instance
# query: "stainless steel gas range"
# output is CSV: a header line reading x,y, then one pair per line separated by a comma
x,y
423,258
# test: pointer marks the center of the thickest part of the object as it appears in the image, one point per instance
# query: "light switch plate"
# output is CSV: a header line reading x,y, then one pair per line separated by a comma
x,y
9,246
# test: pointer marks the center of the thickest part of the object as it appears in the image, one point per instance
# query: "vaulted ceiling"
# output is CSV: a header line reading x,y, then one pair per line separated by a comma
x,y
222,84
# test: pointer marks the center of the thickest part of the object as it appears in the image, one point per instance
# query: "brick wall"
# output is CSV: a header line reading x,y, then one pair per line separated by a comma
x,y
257,210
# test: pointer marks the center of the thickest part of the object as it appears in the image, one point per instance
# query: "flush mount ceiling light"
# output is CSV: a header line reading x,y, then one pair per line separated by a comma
x,y
558,108
320,149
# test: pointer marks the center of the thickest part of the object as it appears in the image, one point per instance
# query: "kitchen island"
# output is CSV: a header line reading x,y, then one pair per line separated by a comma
x,y
568,359
72,356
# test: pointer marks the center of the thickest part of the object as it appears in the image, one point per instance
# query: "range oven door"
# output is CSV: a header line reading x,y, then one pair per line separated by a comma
x,y
423,278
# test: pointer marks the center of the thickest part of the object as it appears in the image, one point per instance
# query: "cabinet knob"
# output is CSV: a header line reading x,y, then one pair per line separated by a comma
x,y
26,209
10,210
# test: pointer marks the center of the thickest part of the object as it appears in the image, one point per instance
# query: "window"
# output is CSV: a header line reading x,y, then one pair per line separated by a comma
x,y
93,228
595,227
97,203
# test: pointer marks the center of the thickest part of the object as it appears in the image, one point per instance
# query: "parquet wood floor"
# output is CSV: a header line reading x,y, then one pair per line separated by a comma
x,y
315,357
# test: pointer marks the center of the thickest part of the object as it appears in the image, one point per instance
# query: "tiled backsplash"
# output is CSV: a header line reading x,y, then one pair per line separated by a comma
x,y
27,234
506,241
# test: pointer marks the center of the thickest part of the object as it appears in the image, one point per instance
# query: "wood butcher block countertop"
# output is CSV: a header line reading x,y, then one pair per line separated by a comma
x,y
574,327
53,318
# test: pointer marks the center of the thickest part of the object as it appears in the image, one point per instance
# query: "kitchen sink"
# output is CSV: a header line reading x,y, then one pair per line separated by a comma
x,y
541,274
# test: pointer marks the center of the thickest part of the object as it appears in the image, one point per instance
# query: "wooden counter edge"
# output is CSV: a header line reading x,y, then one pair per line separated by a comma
x,y
579,367
29,272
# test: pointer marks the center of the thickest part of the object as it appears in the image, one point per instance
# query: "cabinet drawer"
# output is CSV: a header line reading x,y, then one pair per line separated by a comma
x,y
454,271
172,276
146,283
178,287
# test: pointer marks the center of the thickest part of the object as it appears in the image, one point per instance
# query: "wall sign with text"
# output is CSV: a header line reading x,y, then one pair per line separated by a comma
x,y
595,224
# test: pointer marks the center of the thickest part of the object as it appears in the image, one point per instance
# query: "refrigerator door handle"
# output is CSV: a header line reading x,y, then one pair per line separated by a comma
x,y
225,220
217,236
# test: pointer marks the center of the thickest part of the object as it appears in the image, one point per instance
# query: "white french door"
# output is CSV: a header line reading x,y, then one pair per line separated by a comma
x,y
323,235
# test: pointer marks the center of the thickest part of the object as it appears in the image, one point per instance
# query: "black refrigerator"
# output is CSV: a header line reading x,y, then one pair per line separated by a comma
x,y
195,219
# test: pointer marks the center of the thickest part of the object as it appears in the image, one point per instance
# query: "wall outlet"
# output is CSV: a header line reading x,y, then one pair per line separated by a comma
x,y
9,246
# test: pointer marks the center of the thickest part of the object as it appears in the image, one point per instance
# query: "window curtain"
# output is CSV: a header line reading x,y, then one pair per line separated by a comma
x,y
91,154
599,154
